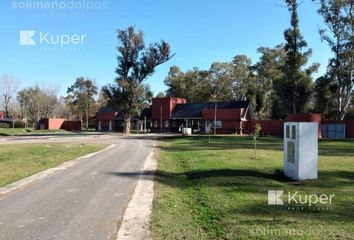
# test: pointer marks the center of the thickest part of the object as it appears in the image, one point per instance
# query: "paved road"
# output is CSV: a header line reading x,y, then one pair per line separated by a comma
x,y
85,201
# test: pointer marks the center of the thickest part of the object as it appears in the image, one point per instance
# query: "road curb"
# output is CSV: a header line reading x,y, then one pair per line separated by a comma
x,y
41,175
137,216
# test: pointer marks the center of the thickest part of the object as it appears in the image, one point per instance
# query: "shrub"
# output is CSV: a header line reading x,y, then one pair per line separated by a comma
x,y
4,125
19,124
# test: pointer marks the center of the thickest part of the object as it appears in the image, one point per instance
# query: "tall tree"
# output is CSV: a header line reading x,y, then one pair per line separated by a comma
x,y
81,97
192,85
135,64
37,102
120,100
221,77
197,85
295,89
350,114
224,81
325,92
338,16
146,96
268,70
175,82
62,109
102,98
8,88
244,84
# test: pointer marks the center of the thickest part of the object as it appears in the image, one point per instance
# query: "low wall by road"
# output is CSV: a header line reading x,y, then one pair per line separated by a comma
x,y
59,123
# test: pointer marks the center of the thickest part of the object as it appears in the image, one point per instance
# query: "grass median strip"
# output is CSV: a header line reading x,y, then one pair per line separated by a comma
x,y
6,132
219,191
18,161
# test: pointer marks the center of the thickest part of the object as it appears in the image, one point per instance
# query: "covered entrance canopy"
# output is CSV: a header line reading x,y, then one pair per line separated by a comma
x,y
225,117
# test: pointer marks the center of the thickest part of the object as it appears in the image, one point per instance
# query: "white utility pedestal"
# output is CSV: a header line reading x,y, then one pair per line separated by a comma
x,y
186,131
300,150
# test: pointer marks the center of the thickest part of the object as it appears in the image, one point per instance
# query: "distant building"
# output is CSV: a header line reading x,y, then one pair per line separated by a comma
x,y
171,114
3,118
58,123
109,119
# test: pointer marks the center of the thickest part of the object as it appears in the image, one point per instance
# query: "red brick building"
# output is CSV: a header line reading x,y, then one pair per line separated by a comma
x,y
109,119
59,123
171,114
3,118
106,119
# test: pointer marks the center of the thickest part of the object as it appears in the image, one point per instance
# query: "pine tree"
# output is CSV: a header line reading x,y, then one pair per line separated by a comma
x,y
295,89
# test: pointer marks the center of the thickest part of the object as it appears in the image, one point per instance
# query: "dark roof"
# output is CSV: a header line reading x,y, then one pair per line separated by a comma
x,y
194,110
147,112
106,109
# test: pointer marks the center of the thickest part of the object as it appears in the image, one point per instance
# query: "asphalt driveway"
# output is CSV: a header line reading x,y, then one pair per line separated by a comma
x,y
85,201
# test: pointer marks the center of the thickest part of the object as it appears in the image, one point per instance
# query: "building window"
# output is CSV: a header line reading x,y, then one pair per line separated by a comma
x,y
218,124
287,132
166,124
293,131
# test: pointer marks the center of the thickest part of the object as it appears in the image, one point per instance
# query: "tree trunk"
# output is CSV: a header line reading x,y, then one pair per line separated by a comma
x,y
7,103
87,116
348,98
80,114
339,106
7,115
127,120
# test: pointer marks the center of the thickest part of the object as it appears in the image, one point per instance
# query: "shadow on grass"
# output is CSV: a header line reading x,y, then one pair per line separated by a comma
x,y
261,213
257,183
4,135
244,179
201,143
202,174
213,177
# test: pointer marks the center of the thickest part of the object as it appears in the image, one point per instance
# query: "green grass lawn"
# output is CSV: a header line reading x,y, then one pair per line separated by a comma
x,y
219,191
18,161
26,131
6,132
